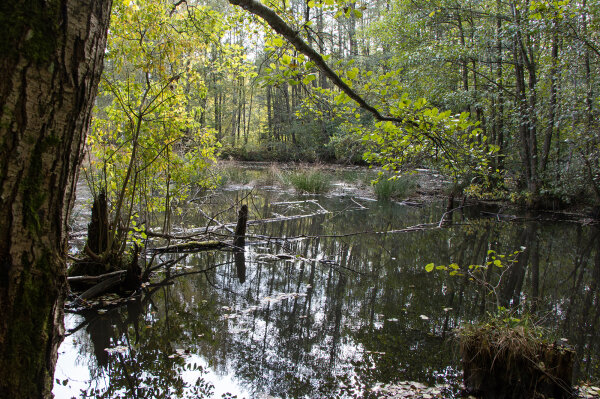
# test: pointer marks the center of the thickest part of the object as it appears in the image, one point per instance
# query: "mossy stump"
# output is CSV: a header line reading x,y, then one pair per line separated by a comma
x,y
502,362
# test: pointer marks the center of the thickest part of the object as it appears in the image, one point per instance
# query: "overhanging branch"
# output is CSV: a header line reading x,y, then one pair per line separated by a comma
x,y
281,27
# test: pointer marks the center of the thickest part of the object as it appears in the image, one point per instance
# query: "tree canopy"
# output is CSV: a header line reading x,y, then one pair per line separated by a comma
x,y
499,95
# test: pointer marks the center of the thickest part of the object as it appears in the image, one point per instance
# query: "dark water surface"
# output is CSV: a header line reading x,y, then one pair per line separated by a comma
x,y
343,308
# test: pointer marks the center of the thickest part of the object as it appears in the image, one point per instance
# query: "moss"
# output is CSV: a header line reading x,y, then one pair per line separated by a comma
x,y
33,26
33,196
25,363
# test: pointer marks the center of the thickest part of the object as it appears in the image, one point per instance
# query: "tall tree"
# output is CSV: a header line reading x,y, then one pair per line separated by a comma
x,y
52,56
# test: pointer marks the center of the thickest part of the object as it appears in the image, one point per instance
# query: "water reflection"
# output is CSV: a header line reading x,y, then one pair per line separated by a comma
x,y
338,309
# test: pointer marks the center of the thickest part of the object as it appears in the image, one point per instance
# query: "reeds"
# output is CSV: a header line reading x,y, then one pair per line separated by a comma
x,y
394,188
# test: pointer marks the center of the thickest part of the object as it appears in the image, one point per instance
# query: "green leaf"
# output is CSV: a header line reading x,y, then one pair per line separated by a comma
x,y
429,267
353,73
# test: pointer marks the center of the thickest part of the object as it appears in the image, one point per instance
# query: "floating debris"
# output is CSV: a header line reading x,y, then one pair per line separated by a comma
x,y
410,389
588,392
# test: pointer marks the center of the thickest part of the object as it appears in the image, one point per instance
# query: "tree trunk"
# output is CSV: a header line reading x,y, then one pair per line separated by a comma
x,y
553,100
500,84
52,56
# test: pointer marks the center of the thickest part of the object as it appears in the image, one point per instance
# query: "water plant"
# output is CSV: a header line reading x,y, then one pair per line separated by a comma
x,y
312,180
399,187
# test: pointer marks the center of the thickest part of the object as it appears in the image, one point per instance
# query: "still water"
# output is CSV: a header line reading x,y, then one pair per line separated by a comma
x,y
332,302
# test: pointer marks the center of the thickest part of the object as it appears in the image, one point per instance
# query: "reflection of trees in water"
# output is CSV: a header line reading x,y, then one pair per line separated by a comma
x,y
385,289
359,318
146,365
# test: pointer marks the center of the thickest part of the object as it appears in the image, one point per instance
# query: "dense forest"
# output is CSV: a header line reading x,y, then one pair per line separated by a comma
x,y
499,95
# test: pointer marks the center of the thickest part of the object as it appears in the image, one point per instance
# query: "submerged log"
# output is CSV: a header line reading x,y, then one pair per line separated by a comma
x,y
510,363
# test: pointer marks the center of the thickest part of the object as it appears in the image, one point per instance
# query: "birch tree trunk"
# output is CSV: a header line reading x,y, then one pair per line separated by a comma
x,y
51,59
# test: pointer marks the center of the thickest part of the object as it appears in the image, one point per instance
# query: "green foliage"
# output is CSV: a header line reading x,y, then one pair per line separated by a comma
x,y
347,146
450,143
478,273
146,144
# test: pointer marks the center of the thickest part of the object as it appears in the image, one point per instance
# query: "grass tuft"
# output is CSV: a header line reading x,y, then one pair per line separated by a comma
x,y
312,181
513,358
400,187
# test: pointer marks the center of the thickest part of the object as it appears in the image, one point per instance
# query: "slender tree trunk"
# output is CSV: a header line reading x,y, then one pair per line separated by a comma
x,y
463,61
249,118
500,88
552,104
50,65
521,102
321,42
220,116
269,111
352,31
520,58
532,122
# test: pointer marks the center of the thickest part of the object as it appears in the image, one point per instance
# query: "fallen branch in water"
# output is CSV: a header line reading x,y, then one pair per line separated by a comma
x,y
100,288
94,279
193,246
417,227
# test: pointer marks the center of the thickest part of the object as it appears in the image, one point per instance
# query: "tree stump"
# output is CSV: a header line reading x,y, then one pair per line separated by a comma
x,y
509,363
239,242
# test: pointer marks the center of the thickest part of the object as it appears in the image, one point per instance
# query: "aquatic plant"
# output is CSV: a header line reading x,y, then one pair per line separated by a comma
x,y
313,181
400,187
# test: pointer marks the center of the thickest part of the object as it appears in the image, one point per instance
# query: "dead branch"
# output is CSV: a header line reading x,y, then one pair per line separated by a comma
x,y
94,279
193,246
101,287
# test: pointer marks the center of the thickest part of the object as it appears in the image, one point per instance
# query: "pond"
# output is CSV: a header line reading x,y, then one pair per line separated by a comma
x,y
332,301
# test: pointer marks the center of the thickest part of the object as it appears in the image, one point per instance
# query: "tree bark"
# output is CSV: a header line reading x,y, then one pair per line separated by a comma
x,y
52,56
